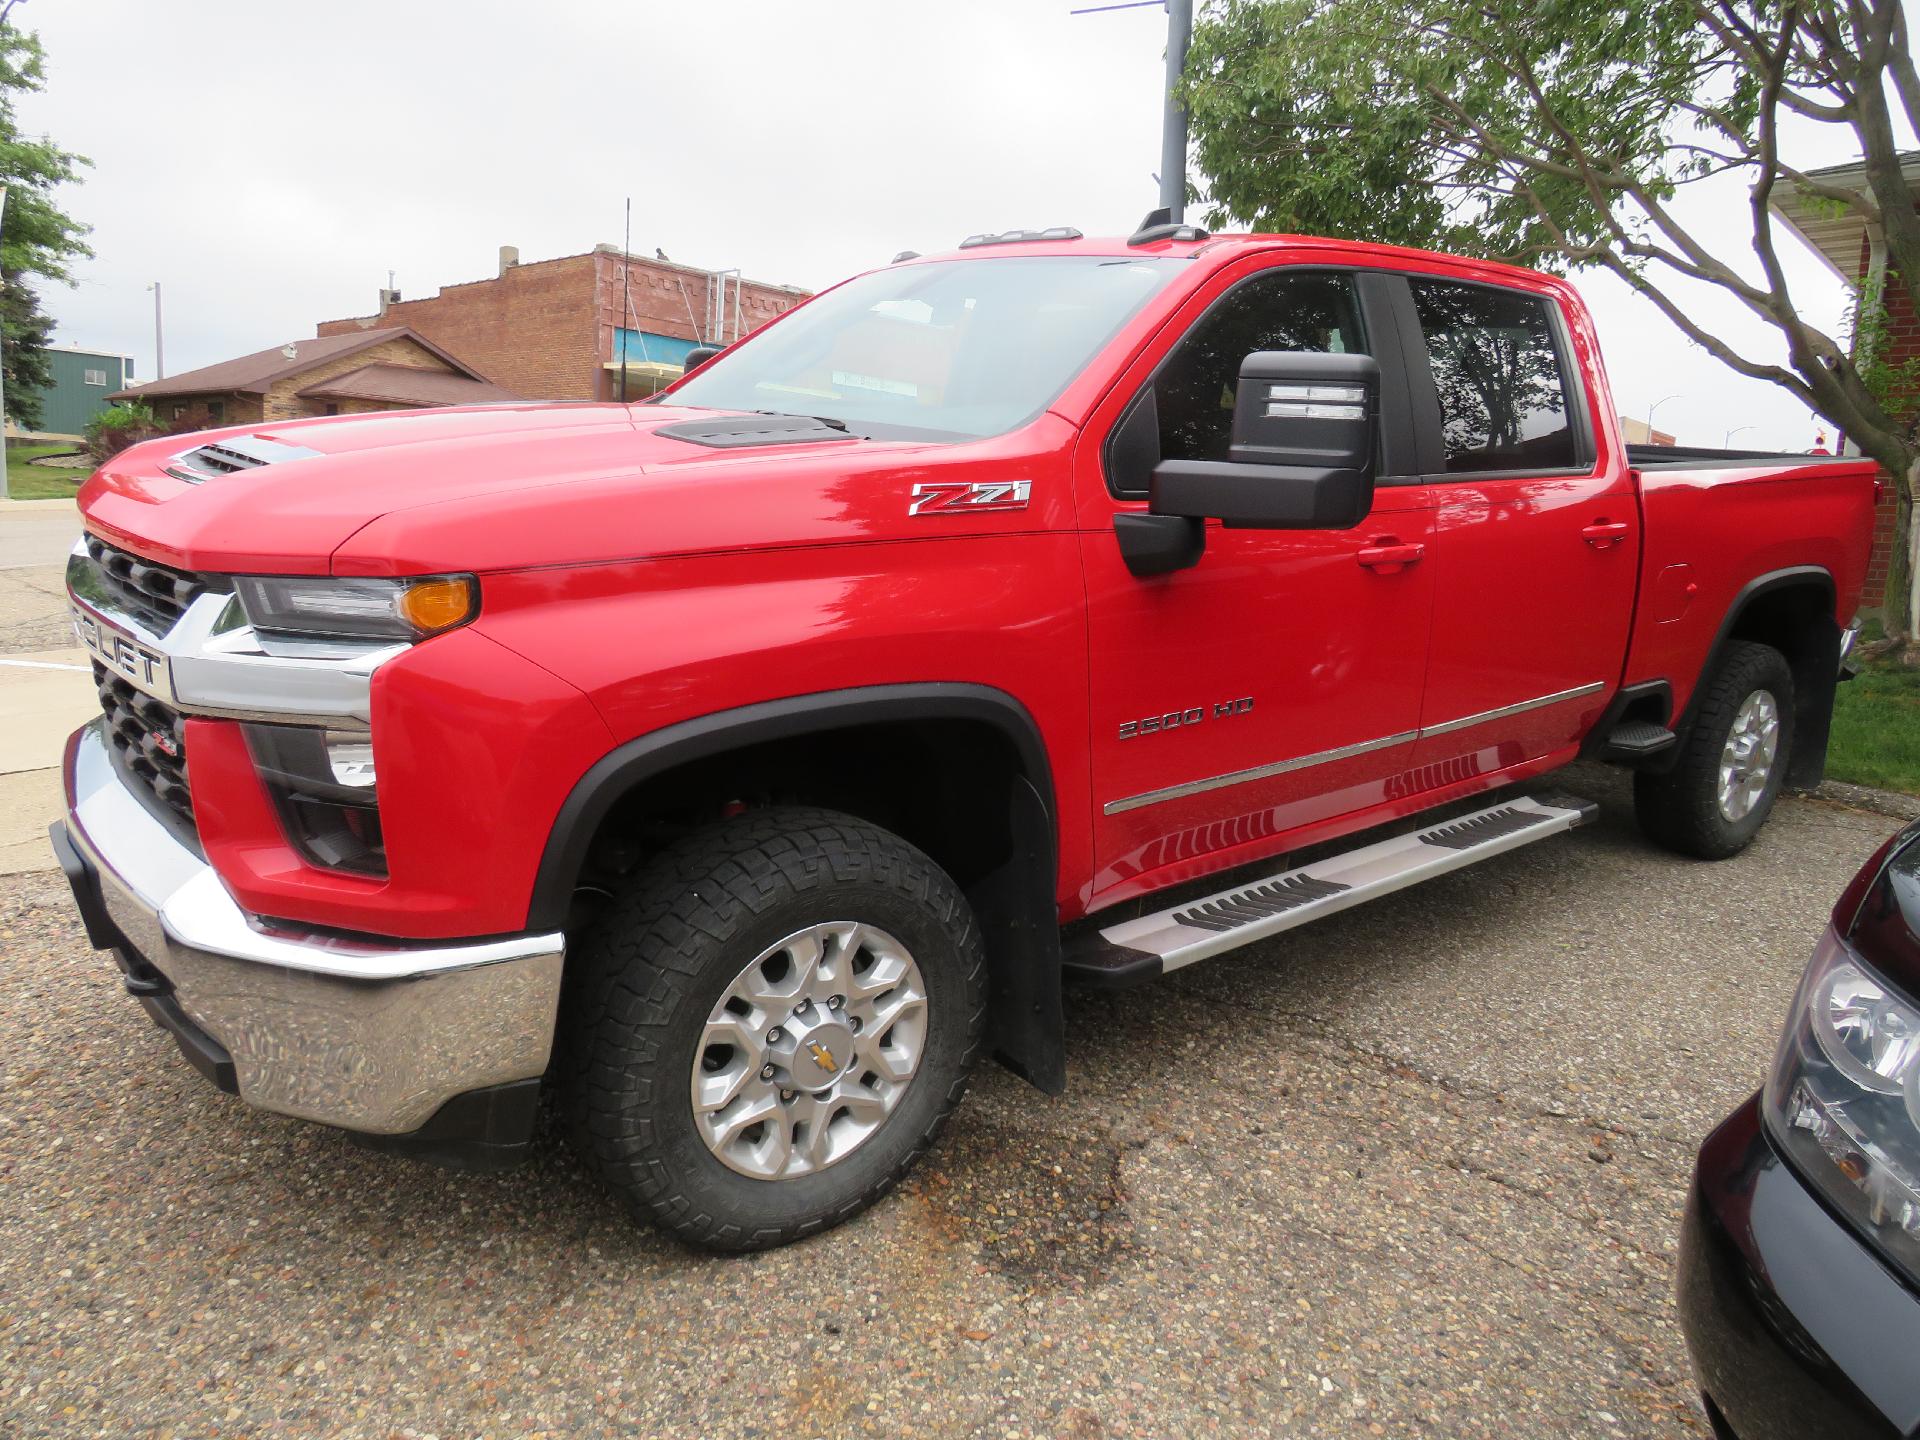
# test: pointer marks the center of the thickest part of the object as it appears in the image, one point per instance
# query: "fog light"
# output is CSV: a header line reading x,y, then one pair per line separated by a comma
x,y
322,783
350,757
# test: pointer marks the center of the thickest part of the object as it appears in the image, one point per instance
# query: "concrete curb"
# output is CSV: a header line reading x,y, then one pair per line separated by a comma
x,y
9,507
1864,797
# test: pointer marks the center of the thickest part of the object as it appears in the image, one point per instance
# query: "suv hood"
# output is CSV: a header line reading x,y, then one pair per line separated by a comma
x,y
468,488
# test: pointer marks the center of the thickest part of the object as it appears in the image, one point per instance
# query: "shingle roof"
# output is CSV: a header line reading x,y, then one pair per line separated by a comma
x,y
252,374
406,385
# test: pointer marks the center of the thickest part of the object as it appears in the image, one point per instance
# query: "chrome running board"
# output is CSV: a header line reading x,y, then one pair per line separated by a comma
x,y
1136,950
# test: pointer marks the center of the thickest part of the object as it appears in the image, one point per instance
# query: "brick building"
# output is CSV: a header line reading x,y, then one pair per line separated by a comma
x,y
554,329
1857,252
387,369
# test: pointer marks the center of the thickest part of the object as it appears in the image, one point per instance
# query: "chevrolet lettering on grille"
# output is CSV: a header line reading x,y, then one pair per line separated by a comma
x,y
121,653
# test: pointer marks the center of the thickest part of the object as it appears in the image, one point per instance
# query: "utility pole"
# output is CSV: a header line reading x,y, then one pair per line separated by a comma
x,y
3,377
626,269
159,353
1173,124
1173,115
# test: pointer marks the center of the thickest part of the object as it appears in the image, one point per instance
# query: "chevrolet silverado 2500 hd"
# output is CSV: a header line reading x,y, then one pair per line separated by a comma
x,y
742,765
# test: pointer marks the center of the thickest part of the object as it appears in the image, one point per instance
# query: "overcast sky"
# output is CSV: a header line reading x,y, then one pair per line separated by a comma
x,y
270,163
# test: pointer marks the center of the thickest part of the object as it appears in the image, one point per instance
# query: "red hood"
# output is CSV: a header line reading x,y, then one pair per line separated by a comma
x,y
480,488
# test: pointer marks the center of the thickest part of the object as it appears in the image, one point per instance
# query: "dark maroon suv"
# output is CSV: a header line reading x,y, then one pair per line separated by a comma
x,y
1800,1260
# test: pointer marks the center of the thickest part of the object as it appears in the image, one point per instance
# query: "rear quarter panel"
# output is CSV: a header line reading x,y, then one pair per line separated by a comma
x,y
1710,532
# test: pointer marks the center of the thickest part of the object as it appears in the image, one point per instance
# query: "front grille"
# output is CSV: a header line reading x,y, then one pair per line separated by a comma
x,y
156,595
150,737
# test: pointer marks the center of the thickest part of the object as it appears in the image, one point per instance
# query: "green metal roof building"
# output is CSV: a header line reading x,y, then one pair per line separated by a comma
x,y
82,380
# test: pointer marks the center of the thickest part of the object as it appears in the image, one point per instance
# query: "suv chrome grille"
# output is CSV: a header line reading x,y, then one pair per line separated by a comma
x,y
154,594
150,737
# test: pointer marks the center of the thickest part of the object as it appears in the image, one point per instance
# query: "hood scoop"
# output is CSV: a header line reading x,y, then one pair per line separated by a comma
x,y
229,456
727,432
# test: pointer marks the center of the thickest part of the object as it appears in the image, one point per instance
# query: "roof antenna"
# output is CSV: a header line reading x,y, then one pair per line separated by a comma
x,y
626,271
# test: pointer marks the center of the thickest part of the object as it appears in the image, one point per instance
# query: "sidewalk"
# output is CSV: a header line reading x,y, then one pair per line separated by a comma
x,y
44,696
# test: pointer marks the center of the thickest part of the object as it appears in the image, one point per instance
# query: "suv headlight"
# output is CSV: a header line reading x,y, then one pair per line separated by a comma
x,y
355,607
1843,1100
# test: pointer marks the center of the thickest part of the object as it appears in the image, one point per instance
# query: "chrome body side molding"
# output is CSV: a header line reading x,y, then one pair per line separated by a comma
x,y
1345,752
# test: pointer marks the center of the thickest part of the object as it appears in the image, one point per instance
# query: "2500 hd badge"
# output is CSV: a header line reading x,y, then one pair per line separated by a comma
x,y
1179,719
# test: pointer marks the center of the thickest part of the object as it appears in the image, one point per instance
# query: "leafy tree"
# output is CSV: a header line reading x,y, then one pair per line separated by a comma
x,y
1559,133
37,238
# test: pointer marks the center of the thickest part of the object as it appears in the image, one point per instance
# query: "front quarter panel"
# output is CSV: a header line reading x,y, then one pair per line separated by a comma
x,y
657,642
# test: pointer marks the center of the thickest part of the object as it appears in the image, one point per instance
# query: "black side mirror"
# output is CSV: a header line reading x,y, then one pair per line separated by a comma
x,y
698,356
1301,452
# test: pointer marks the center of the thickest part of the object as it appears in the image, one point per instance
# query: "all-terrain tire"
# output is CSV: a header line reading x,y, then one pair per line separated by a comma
x,y
1681,809
652,969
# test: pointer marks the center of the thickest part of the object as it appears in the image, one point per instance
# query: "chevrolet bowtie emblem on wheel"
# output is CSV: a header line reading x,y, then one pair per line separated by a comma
x,y
822,1056
936,495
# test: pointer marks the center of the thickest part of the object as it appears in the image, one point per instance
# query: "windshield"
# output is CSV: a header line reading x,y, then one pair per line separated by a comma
x,y
952,350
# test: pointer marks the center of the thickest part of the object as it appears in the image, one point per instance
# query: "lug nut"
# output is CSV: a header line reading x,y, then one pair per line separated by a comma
x,y
766,1072
786,1095
773,1035
853,1024
834,1002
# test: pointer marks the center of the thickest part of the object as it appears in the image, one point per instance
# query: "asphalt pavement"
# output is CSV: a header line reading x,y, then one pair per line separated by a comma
x,y
1414,1171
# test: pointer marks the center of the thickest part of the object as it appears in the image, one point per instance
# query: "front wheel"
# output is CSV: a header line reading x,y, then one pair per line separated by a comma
x,y
769,1028
1733,761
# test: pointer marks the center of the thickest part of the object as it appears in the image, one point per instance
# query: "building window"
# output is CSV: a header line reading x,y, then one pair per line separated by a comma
x,y
332,407
179,412
97,377
216,412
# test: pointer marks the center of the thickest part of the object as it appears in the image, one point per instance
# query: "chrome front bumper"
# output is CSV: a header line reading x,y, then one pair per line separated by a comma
x,y
368,1035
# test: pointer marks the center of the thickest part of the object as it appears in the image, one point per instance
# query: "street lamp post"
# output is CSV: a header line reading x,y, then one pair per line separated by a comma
x,y
1726,441
1655,406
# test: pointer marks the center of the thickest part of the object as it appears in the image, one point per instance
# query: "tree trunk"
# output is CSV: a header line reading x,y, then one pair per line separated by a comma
x,y
1903,578
1901,612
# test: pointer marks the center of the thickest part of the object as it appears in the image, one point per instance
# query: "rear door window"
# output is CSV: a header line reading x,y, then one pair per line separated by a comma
x,y
1496,365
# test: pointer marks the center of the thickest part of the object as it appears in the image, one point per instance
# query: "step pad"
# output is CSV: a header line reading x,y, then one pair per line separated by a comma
x,y
1140,949
1639,737
1243,907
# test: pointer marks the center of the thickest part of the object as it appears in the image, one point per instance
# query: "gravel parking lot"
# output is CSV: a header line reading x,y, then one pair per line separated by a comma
x,y
1414,1172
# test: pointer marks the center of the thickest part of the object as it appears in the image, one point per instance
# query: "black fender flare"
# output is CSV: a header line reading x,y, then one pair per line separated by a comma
x,y
1816,670
1015,904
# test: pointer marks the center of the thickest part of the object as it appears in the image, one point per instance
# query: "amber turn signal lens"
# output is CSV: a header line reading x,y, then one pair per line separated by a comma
x,y
435,605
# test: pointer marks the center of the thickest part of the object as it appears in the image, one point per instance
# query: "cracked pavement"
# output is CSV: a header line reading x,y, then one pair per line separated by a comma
x,y
1413,1171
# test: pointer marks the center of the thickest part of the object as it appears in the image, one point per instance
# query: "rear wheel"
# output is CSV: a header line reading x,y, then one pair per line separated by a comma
x,y
769,1028
1733,762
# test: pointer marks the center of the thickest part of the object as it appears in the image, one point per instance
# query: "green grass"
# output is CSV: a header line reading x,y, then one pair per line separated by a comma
x,y
41,482
1876,729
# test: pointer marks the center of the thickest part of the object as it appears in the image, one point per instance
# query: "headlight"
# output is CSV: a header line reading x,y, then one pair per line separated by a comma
x,y
1844,1097
356,607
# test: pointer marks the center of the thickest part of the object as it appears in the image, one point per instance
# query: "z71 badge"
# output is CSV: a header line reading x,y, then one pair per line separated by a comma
x,y
939,495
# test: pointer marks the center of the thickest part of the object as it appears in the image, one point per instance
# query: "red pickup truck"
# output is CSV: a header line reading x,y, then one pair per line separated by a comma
x,y
742,765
